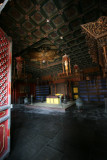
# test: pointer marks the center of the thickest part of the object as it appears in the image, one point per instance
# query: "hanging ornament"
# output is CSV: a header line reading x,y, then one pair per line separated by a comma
x,y
76,69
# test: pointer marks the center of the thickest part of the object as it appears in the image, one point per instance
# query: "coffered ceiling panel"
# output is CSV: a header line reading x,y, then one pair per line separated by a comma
x,y
25,5
64,30
54,35
50,8
87,4
28,25
52,24
58,21
71,12
47,28
38,34
63,3
15,14
38,17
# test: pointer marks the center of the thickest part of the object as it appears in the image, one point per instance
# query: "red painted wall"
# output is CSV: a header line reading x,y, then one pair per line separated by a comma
x,y
22,89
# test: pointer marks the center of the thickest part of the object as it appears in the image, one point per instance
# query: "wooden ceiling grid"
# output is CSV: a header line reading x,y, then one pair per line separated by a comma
x,y
25,22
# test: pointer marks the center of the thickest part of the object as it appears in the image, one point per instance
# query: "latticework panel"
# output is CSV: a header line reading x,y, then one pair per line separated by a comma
x,y
4,68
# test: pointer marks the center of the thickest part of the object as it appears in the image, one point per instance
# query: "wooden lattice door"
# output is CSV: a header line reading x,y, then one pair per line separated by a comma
x,y
5,93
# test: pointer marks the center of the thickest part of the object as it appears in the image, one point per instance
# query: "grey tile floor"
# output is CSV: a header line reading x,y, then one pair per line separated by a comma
x,y
43,135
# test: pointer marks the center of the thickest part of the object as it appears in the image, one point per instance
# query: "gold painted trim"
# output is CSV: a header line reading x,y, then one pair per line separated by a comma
x,y
3,126
88,31
3,114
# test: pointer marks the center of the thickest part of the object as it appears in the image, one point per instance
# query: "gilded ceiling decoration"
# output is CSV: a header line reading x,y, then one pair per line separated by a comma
x,y
26,22
97,29
96,36
43,55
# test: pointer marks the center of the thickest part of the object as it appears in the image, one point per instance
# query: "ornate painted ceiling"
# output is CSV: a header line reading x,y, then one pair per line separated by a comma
x,y
26,22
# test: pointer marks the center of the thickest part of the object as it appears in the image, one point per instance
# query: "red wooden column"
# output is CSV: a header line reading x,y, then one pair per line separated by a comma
x,y
55,88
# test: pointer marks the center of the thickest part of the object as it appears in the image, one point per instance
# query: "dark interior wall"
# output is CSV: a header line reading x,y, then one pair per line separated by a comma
x,y
89,91
61,88
93,90
21,90
53,89
41,92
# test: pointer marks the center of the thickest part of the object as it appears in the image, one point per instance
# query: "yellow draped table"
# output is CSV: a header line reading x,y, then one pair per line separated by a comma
x,y
52,100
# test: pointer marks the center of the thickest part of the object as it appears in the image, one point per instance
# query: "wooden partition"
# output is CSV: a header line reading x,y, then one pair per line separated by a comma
x,y
41,92
93,91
